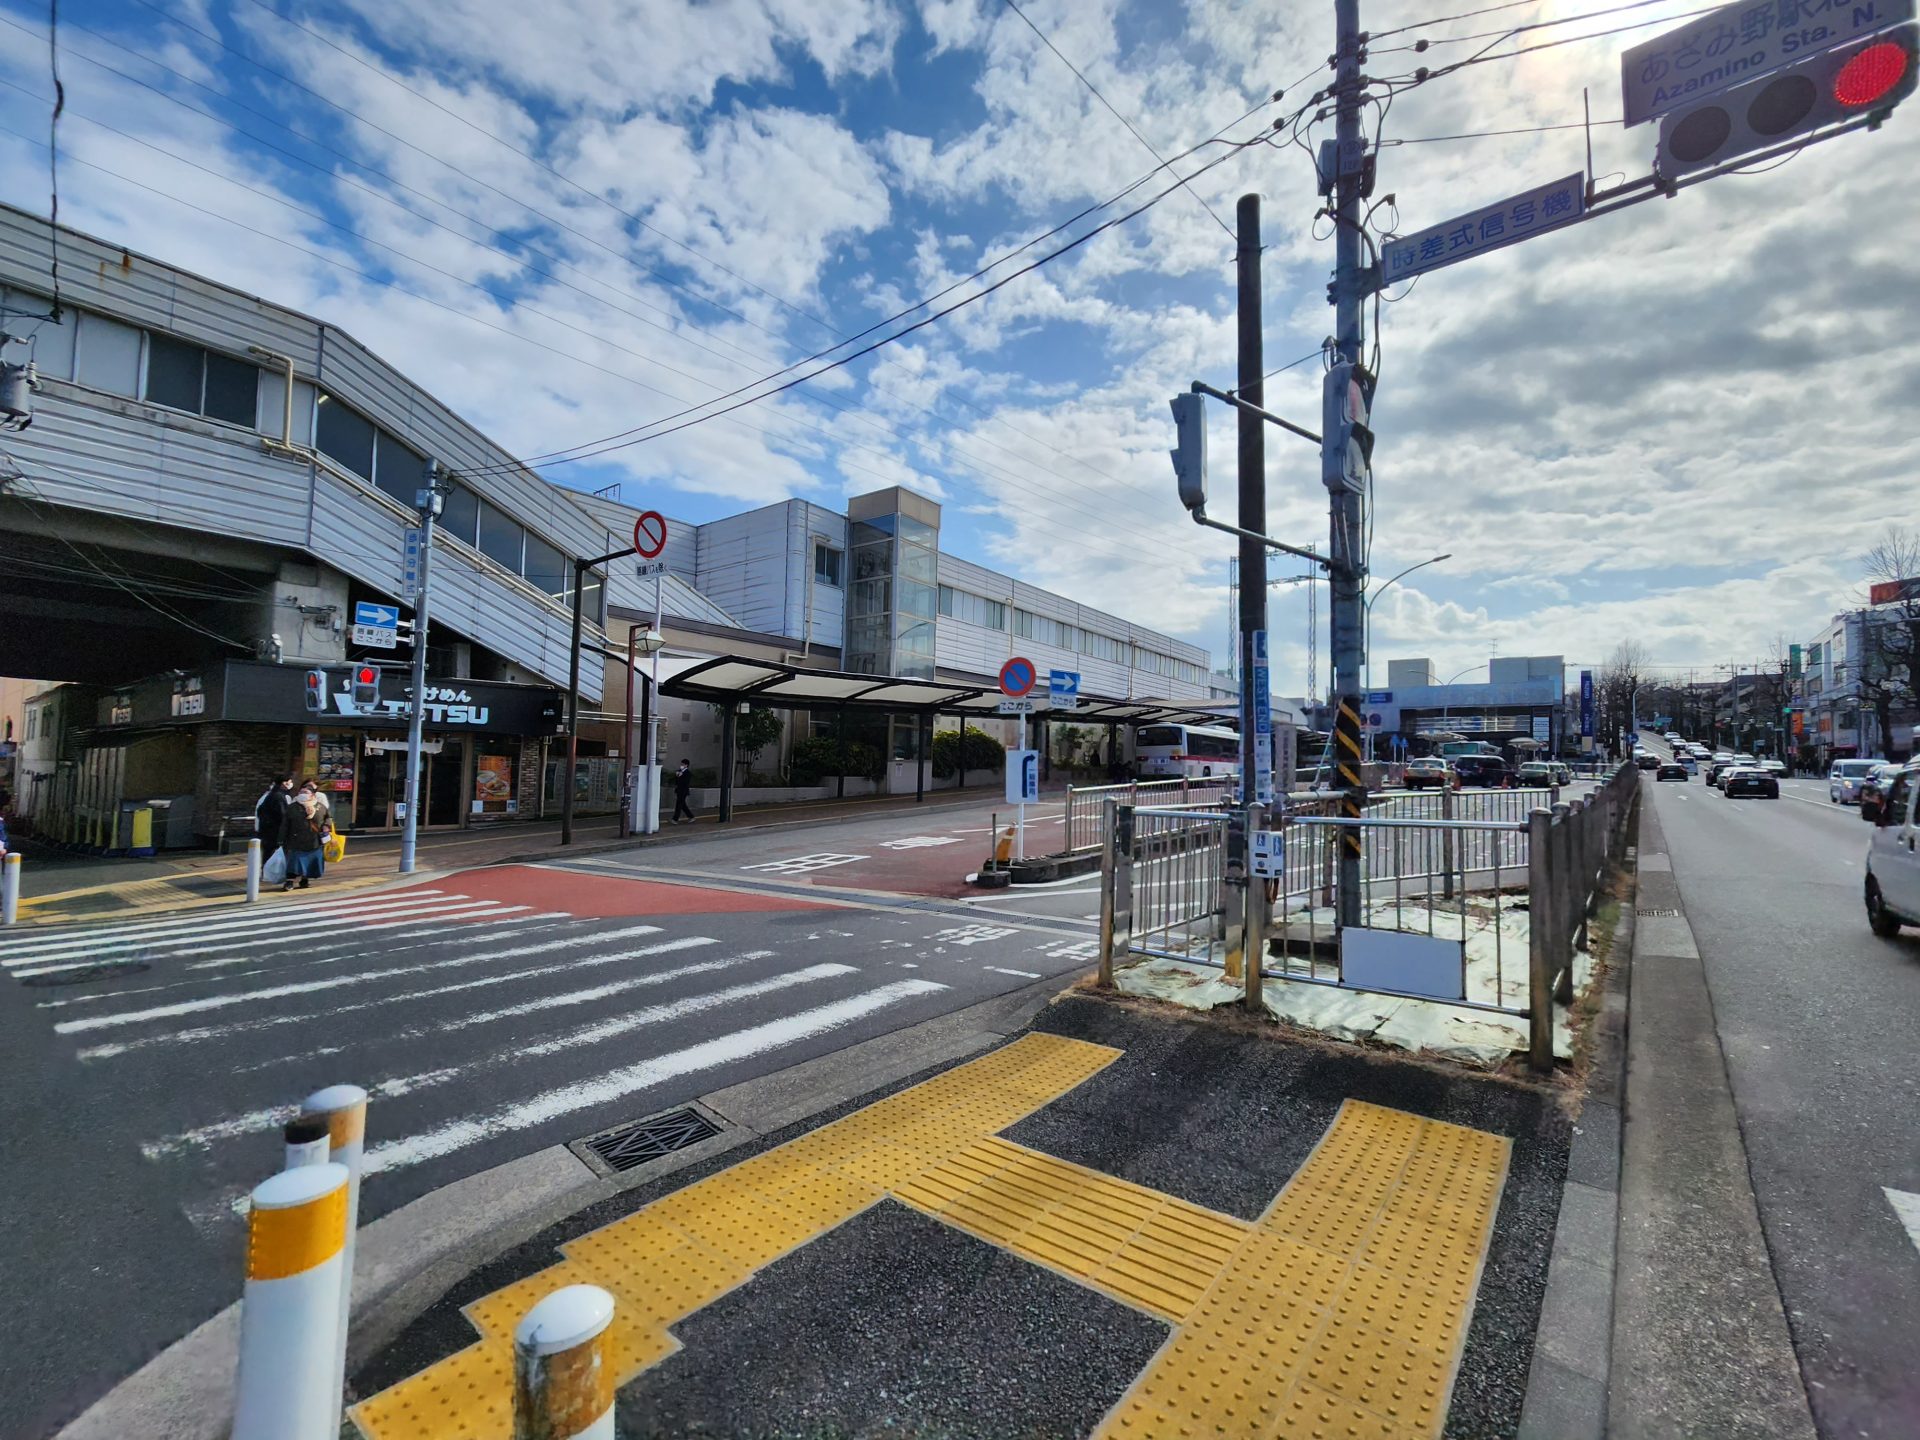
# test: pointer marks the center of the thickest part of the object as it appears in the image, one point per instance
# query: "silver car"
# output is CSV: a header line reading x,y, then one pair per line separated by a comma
x,y
1848,778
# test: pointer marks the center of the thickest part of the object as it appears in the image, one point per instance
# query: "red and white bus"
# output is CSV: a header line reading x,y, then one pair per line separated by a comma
x,y
1167,752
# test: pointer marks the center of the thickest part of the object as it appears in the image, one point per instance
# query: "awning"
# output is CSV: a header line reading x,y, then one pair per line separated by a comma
x,y
730,679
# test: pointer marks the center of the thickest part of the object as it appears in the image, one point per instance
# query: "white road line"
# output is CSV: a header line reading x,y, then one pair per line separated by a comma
x,y
1907,1206
252,928
674,1010
71,934
243,1027
492,924
611,988
1003,970
632,1079
305,987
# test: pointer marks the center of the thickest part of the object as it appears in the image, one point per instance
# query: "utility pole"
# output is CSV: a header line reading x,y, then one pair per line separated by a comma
x,y
429,500
1253,493
1346,505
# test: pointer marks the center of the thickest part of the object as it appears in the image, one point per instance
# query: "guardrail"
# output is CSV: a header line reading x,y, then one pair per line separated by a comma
x,y
1084,802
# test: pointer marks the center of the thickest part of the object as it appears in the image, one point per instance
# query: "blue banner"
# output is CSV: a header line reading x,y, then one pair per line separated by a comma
x,y
1586,704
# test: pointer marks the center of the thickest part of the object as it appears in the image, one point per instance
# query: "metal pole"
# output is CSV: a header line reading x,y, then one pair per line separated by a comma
x,y
1540,941
1108,806
253,869
410,826
573,709
630,803
1253,480
840,783
10,890
1347,519
1255,943
289,1310
650,744
729,728
922,742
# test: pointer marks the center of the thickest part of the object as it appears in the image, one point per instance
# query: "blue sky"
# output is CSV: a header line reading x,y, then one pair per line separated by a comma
x,y
569,221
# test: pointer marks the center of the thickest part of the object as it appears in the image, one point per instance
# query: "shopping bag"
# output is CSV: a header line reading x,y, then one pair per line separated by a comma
x,y
274,871
335,848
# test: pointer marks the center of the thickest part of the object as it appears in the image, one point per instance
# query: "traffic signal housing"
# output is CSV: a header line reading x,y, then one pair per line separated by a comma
x,y
1346,405
366,686
1864,77
1190,452
317,692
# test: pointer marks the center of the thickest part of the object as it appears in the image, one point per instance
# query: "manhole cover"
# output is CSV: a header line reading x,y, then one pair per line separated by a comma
x,y
1659,911
625,1146
104,970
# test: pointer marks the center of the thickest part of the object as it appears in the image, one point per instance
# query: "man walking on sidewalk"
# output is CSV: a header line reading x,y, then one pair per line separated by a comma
x,y
269,811
682,785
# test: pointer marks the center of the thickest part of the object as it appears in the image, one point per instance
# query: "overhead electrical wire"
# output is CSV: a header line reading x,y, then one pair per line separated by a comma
x,y
1517,29
1482,58
1449,19
53,152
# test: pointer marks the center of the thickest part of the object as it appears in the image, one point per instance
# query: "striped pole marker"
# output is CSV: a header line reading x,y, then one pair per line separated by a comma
x,y
562,1386
307,1144
343,1110
296,1230
10,890
1352,779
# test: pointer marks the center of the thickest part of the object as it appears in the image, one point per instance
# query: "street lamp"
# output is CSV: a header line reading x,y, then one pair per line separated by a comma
x,y
1367,626
1446,705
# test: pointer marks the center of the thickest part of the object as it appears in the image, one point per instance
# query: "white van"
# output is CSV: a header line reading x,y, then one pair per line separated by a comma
x,y
1847,778
1893,859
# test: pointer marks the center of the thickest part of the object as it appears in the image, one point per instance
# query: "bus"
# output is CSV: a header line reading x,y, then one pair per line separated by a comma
x,y
1167,752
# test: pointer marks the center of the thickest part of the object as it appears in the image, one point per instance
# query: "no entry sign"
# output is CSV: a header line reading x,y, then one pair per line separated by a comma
x,y
1017,676
650,534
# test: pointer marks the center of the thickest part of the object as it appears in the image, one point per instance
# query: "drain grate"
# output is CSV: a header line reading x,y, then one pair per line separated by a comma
x,y
1662,911
625,1146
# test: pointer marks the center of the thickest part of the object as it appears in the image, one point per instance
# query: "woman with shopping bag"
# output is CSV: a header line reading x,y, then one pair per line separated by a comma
x,y
301,837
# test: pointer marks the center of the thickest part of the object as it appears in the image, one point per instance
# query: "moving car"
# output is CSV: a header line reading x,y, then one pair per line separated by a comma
x,y
1538,773
1848,778
1646,760
1487,771
1881,780
1429,772
1718,768
1749,780
1893,857
1671,770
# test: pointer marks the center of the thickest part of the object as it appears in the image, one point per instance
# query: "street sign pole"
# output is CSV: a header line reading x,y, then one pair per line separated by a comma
x,y
429,501
1253,487
1346,505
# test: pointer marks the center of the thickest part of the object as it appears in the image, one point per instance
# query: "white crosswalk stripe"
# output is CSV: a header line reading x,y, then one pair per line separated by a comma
x,y
159,929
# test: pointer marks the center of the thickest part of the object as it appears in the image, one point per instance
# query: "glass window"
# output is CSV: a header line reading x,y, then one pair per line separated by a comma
x,y
500,537
917,563
916,599
872,597
916,638
400,470
343,436
460,513
175,371
109,355
233,390
870,561
52,344
826,565
546,568
918,532
946,600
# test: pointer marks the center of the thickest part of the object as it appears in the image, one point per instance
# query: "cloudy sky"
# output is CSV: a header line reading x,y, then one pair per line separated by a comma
x,y
1682,423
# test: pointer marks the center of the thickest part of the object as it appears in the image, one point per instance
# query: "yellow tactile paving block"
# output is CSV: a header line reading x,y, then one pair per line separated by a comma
x,y
1343,1311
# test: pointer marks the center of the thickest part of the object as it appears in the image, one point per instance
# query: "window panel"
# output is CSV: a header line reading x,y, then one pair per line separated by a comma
x,y
545,567
175,373
343,436
399,469
917,563
916,599
827,565
916,638
460,514
870,561
947,601
233,390
500,537
52,344
872,597
109,355
918,532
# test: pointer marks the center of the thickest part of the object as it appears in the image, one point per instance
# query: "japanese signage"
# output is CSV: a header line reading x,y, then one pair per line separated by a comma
x,y
412,542
1742,42
1586,704
1262,682
493,783
1542,208
335,770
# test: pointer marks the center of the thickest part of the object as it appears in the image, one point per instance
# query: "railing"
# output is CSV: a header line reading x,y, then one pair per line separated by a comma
x,y
1174,870
1084,802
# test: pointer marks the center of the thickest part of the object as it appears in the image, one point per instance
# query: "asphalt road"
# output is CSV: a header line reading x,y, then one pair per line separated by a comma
x,y
1816,1018
492,1013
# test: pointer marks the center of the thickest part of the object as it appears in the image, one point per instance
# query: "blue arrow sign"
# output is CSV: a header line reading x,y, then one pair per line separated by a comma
x,y
384,617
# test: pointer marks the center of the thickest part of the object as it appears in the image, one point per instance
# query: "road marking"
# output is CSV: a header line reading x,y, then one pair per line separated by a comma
x,y
919,842
1003,970
62,934
964,935
1907,1206
805,864
648,1074
490,924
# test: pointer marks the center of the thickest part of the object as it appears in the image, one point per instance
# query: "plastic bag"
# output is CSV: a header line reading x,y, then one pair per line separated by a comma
x,y
274,872
335,848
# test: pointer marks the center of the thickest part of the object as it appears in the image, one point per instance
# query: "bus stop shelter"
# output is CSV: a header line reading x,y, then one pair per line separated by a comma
x,y
730,681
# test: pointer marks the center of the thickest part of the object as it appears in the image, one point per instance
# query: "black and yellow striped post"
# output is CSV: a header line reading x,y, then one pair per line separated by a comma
x,y
1353,800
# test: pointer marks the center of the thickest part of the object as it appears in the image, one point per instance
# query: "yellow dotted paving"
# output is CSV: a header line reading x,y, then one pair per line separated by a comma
x,y
1340,1312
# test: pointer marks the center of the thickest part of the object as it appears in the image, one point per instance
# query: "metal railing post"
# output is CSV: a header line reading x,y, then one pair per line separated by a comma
x,y
1254,945
1565,883
1539,941
10,890
1109,817
1447,856
1123,846
253,869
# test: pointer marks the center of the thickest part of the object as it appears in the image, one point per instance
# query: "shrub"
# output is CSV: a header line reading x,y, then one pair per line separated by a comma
x,y
974,748
817,758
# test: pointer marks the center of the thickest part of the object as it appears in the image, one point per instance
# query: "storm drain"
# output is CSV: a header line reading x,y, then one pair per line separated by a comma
x,y
626,1146
1661,911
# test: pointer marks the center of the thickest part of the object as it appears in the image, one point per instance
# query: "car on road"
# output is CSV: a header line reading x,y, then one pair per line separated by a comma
x,y
1893,857
1717,768
1646,760
1881,780
1700,752
1429,772
1848,778
1775,768
1671,770
1749,780
1483,771
1538,773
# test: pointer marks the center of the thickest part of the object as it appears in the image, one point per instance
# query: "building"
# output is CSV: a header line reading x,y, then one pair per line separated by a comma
x,y
1844,671
1522,699
213,484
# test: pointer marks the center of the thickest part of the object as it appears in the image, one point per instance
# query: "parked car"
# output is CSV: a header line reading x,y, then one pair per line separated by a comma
x,y
1671,770
1537,773
1562,772
1848,778
1893,857
1749,780
1429,773
1486,771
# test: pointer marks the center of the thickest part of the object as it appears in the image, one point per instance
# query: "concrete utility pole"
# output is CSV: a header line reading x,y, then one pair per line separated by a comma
x,y
1253,486
429,500
1347,517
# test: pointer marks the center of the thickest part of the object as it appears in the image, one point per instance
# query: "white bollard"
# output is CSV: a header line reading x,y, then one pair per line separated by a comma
x,y
253,869
343,1108
307,1143
562,1385
296,1231
10,890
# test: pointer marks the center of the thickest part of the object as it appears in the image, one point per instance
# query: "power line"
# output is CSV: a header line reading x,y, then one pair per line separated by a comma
x,y
53,151
1482,58
1134,129
1449,19
1521,29
1484,134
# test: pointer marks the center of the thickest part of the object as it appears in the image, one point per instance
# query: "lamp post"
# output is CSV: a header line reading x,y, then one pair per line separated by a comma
x,y
1446,705
1368,626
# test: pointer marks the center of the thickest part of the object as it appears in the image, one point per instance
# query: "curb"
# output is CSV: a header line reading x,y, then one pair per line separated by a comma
x,y
1567,1382
405,1262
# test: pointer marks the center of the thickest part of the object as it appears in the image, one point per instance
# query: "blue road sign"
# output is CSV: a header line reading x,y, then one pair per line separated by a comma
x,y
1545,207
1586,704
1379,697
1261,681
384,617
1063,689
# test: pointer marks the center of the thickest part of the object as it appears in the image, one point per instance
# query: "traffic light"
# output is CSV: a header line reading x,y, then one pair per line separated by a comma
x,y
1190,454
317,692
1345,406
1861,78
366,686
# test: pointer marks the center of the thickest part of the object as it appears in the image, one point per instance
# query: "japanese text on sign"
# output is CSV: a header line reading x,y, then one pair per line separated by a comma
x,y
1741,42
1502,224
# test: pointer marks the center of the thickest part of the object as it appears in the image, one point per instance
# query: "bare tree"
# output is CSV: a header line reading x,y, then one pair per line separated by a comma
x,y
1621,679
1889,663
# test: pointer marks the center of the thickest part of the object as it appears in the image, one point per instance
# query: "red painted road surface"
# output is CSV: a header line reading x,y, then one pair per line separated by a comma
x,y
599,897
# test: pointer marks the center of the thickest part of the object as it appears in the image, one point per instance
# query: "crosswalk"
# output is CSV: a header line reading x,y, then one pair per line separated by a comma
x,y
481,1029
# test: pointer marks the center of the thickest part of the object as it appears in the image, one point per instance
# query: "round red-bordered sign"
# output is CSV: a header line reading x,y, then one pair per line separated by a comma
x,y
1017,676
649,534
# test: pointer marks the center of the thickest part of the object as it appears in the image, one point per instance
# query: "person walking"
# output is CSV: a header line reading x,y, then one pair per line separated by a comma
x,y
682,788
300,837
269,810
322,805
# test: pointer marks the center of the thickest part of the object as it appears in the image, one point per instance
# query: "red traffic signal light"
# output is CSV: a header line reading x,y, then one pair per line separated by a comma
x,y
368,675
317,691
1837,85
366,685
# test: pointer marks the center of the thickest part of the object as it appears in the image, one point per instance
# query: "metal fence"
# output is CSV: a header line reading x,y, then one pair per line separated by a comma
x,y
1084,802
1446,865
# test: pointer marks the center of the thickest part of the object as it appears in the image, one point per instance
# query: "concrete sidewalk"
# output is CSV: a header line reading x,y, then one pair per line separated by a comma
x,y
1120,1221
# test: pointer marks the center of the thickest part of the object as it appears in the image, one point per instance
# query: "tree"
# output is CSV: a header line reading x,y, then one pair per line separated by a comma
x,y
1889,663
1621,680
755,730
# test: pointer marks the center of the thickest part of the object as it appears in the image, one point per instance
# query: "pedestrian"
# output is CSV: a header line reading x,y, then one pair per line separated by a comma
x,y
270,809
300,837
682,787
320,802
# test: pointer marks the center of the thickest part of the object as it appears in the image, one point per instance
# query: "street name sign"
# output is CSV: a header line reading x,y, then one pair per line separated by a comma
x,y
410,542
1543,208
650,568
1742,42
376,626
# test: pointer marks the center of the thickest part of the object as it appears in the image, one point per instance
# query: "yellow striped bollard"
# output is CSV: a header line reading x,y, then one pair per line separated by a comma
x,y
289,1313
562,1386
